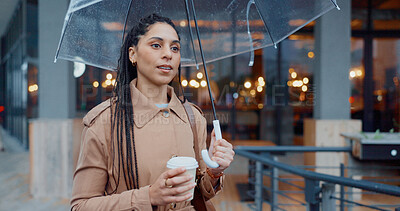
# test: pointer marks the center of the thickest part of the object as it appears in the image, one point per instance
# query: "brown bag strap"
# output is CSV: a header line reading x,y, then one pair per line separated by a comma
x,y
198,202
192,120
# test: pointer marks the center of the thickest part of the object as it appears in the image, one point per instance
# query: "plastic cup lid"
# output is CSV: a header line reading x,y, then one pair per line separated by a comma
x,y
188,162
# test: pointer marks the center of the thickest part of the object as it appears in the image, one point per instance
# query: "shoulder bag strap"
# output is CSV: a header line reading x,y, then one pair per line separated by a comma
x,y
192,121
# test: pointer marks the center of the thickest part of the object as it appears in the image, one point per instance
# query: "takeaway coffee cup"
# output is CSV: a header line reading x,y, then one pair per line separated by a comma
x,y
190,164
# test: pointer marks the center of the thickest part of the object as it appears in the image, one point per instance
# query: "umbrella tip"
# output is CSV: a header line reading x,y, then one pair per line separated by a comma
x,y
251,63
337,7
197,66
55,60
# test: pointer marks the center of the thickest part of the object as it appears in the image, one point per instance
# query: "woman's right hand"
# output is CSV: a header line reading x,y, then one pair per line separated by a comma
x,y
164,190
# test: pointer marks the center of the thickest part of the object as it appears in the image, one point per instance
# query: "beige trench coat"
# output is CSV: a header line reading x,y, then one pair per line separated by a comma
x,y
159,133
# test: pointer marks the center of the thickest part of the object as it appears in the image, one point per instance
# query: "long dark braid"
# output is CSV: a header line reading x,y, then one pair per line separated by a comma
x,y
122,108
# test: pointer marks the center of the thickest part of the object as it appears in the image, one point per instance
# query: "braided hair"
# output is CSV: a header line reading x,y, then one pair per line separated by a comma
x,y
123,142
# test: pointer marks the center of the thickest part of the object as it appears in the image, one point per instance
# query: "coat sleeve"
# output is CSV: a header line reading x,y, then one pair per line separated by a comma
x,y
90,180
205,184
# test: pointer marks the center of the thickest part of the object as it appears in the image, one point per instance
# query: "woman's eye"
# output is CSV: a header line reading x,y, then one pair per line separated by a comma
x,y
156,45
175,49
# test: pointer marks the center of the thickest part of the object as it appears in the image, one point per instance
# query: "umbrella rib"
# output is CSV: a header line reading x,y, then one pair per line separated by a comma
x,y
203,59
336,5
251,62
62,37
126,20
265,24
191,33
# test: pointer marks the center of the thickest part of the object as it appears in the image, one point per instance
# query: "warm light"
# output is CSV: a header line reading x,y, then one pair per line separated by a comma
x,y
113,82
293,74
304,88
297,83
182,23
379,98
33,88
184,83
290,83
351,100
259,88
359,73
104,85
261,83
260,79
302,96
310,54
260,106
108,82
352,74
306,80
247,84
253,92
109,76
232,84
197,85
203,83
95,84
193,83
199,75
291,70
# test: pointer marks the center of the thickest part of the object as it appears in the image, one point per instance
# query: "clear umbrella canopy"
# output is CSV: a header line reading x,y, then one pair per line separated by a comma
x,y
94,29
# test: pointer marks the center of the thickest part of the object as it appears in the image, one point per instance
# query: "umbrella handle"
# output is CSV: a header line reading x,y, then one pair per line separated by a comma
x,y
204,152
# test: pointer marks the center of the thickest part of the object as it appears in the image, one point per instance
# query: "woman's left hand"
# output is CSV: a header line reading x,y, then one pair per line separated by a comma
x,y
222,153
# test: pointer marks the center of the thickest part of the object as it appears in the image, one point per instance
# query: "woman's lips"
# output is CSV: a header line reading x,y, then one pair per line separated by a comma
x,y
165,68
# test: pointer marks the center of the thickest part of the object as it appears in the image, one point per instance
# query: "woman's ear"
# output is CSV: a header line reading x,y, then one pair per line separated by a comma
x,y
132,54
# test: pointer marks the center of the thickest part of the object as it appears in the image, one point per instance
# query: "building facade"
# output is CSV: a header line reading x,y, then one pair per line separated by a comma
x,y
268,101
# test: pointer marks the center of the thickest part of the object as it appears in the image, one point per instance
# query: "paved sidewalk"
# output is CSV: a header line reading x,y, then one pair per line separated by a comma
x,y
14,181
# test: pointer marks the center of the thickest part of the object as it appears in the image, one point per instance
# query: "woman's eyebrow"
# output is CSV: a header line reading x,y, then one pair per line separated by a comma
x,y
162,40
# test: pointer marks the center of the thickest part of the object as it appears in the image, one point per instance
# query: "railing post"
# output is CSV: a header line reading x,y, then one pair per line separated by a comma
x,y
312,191
274,187
341,188
328,203
258,198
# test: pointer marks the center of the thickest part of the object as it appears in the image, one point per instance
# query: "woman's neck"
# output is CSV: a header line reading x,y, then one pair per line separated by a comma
x,y
157,94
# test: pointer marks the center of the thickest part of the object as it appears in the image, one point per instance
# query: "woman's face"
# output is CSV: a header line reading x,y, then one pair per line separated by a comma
x,y
157,55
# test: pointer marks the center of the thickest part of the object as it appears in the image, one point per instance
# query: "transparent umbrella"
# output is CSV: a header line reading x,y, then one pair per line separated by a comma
x,y
210,30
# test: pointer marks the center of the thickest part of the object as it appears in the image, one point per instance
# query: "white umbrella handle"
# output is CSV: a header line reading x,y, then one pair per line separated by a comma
x,y
204,152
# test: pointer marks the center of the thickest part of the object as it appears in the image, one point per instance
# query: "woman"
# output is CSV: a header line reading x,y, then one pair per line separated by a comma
x,y
128,140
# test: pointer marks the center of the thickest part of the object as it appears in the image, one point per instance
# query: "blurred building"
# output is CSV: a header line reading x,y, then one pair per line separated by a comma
x,y
343,66
268,101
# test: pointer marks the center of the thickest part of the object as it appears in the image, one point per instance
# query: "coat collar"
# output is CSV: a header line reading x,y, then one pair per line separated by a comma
x,y
145,110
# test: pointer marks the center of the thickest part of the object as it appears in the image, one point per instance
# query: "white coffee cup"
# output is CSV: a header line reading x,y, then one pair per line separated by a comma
x,y
190,164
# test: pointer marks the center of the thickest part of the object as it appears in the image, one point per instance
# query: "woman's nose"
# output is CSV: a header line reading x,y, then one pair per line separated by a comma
x,y
167,53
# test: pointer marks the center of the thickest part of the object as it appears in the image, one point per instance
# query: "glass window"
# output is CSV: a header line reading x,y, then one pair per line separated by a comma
x,y
386,15
356,76
297,66
94,86
386,75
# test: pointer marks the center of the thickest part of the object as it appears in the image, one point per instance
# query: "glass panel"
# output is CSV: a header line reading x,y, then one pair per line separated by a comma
x,y
359,14
297,64
386,74
33,91
93,87
386,15
356,77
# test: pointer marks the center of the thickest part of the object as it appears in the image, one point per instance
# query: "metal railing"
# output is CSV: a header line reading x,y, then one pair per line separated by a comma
x,y
317,190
